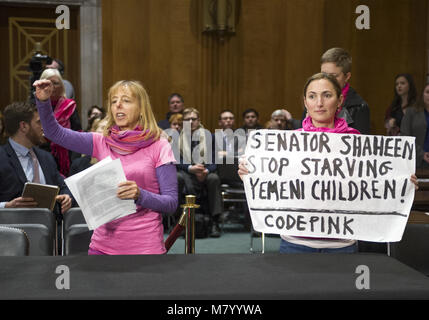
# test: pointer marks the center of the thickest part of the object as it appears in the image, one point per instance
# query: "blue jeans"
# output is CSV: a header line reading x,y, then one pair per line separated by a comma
x,y
288,247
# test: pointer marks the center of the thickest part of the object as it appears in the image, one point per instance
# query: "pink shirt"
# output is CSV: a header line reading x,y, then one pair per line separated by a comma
x,y
141,232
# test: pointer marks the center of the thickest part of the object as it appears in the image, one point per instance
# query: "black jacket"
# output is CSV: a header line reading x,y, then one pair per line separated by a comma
x,y
356,112
12,176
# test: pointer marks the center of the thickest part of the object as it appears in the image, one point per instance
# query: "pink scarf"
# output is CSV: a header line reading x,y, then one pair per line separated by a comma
x,y
344,93
340,126
128,141
63,110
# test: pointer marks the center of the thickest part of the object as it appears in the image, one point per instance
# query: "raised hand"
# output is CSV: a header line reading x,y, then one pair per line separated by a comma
x,y
44,89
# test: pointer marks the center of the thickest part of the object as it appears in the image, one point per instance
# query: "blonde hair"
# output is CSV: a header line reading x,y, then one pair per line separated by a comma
x,y
176,117
147,119
185,147
48,73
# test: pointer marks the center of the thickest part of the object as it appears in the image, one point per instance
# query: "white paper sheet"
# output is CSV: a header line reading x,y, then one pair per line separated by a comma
x,y
95,192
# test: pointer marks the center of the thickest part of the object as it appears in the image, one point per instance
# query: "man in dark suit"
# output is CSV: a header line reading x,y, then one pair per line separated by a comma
x,y
22,161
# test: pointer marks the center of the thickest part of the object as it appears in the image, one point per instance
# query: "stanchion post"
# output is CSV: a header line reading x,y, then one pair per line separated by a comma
x,y
189,207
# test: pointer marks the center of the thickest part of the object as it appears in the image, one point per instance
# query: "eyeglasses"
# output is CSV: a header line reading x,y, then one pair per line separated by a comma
x,y
227,118
191,119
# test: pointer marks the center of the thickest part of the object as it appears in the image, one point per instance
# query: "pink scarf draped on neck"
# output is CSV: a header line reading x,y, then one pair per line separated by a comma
x,y
128,141
340,126
344,92
63,110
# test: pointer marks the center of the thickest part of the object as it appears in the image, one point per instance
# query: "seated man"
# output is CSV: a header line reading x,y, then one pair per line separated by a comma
x,y
22,161
251,120
228,147
197,170
281,119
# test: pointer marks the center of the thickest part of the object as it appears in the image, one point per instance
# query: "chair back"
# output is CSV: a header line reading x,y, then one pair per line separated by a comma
x,y
39,224
73,216
13,242
76,235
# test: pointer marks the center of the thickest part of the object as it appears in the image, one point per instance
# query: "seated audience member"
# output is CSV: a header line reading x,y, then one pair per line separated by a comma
x,y
415,123
65,111
338,63
84,162
95,112
59,65
281,119
197,168
176,122
176,105
231,145
405,94
228,147
226,122
250,120
315,88
2,130
22,161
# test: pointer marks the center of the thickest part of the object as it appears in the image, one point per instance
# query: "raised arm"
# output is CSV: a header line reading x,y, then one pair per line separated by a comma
x,y
80,142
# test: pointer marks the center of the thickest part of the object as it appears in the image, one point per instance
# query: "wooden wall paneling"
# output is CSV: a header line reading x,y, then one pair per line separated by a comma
x,y
304,29
277,46
259,42
392,45
32,11
107,44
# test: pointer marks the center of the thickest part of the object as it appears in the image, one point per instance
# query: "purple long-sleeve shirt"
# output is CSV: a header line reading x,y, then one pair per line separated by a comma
x,y
82,142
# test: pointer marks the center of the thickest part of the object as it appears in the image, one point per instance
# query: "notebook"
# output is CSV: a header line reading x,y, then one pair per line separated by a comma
x,y
43,194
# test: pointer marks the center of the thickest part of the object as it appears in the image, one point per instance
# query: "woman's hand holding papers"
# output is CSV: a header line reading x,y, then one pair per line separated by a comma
x,y
128,190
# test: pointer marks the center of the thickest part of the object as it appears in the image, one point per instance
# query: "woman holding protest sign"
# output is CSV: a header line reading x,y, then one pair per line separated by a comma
x,y
322,99
132,135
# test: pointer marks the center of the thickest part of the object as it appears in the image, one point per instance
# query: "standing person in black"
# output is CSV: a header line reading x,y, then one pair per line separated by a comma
x,y
176,104
338,63
355,110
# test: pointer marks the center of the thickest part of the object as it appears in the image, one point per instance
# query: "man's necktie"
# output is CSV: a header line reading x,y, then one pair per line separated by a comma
x,y
36,175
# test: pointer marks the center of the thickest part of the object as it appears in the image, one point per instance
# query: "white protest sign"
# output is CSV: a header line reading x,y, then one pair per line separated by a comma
x,y
330,185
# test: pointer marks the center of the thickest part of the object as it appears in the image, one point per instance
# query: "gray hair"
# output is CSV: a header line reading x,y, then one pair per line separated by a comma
x,y
278,113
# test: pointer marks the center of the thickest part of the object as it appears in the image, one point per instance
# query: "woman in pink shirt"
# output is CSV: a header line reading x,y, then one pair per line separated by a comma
x,y
133,136
322,99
